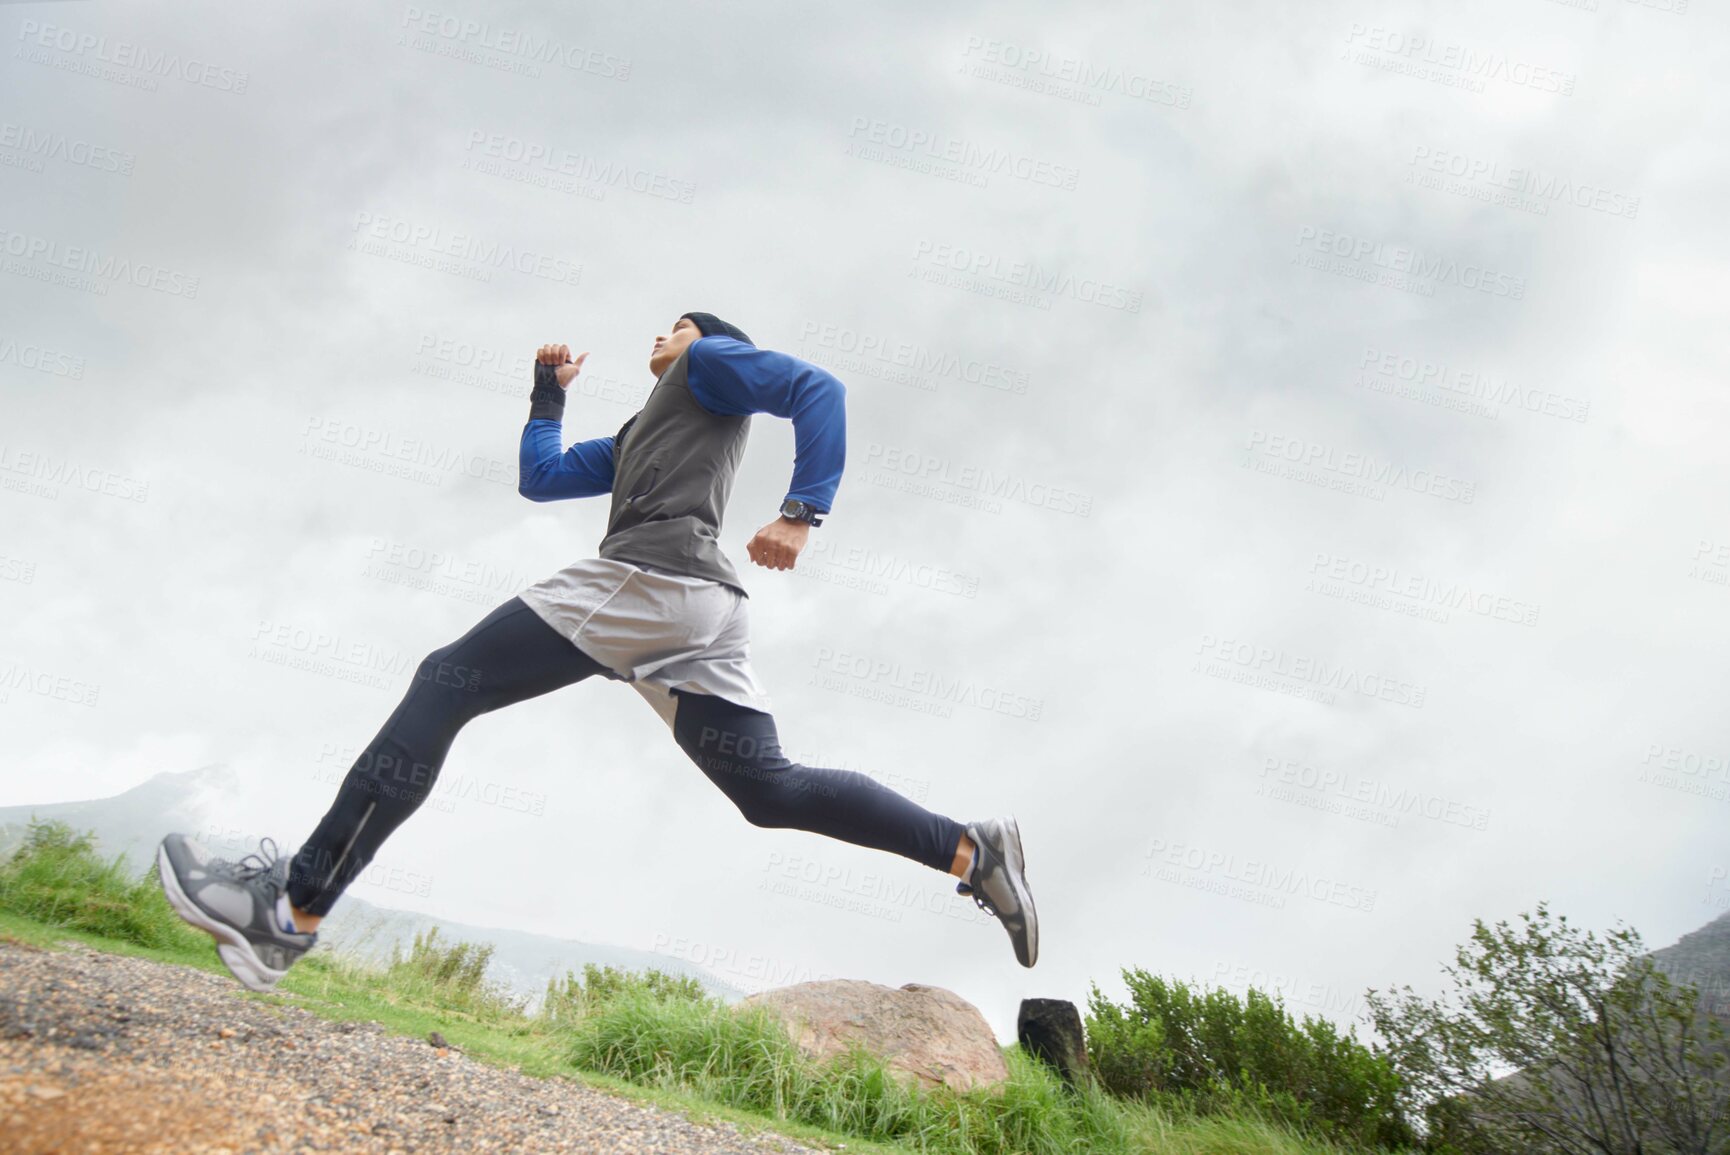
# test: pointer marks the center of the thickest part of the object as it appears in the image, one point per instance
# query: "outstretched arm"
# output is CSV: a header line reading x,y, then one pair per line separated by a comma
x,y
728,376
544,473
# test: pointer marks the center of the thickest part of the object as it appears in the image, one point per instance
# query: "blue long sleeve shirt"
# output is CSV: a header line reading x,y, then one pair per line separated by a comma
x,y
725,376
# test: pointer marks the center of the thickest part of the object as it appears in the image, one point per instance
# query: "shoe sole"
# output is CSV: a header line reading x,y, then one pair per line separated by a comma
x,y
1017,864
232,947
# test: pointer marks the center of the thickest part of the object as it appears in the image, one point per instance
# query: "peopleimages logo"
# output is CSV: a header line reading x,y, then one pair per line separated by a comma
x,y
1269,662
758,971
63,687
1679,766
1418,589
1541,187
1362,466
388,451
928,683
1409,261
1171,861
103,266
1471,383
1071,75
388,228
580,166
40,359
125,54
46,144
967,155
1025,275
1427,58
507,41
872,564
929,468
1348,787
52,471
868,347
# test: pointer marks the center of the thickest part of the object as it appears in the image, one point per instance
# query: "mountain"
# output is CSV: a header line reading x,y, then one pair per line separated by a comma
x,y
134,822
1702,957
131,824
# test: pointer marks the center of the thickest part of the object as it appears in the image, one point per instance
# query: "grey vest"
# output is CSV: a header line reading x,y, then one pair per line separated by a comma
x,y
673,469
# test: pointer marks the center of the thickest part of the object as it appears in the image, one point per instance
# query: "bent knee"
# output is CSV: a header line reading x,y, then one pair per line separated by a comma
x,y
761,812
440,670
744,745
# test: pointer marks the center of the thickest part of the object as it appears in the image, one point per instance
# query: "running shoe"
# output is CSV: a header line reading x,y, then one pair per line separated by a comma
x,y
998,883
234,903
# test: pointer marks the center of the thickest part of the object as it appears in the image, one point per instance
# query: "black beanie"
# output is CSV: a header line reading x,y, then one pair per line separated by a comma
x,y
712,326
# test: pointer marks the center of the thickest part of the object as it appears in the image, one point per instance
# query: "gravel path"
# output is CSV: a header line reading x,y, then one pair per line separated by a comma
x,y
104,1053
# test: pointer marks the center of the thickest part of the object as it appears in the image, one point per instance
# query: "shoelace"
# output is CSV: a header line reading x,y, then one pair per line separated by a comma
x,y
979,900
253,864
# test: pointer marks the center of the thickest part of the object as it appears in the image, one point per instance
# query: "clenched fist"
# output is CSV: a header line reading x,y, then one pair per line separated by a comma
x,y
777,544
560,355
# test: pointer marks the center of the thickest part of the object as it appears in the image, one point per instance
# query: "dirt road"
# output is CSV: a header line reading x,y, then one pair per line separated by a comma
x,y
102,1053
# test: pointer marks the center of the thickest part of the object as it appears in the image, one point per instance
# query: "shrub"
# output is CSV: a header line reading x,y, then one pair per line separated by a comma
x,y
570,998
451,975
1209,1052
56,877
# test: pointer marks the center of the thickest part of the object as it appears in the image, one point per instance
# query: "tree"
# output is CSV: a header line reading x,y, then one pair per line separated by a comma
x,y
1558,1042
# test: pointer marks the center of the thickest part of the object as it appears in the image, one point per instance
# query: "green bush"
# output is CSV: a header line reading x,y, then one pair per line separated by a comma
x,y
449,975
1209,1052
56,878
570,999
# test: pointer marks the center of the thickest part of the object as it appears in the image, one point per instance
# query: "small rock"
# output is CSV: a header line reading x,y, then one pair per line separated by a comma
x,y
225,1033
41,1092
1051,1029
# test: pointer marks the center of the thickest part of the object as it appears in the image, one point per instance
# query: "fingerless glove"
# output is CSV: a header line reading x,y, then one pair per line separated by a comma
x,y
547,401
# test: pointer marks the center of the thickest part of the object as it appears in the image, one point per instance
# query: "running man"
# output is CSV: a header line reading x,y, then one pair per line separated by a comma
x,y
662,609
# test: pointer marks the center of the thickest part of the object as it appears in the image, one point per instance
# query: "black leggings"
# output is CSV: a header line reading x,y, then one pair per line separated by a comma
x,y
512,655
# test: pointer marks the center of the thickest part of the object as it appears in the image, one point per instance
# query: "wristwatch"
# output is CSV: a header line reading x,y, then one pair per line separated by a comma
x,y
801,511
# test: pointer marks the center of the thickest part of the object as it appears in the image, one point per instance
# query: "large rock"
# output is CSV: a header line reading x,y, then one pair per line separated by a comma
x,y
925,1035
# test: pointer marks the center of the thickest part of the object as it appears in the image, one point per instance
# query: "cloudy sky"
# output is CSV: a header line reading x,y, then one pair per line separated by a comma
x,y
1285,455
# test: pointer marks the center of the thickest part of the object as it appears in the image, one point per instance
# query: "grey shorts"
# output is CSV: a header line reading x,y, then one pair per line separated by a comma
x,y
657,631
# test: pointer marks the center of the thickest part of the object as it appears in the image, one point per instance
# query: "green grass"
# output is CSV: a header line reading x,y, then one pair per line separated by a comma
x,y
652,1038
57,879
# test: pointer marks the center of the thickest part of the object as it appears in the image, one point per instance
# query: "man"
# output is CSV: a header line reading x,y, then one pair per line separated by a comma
x,y
662,609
